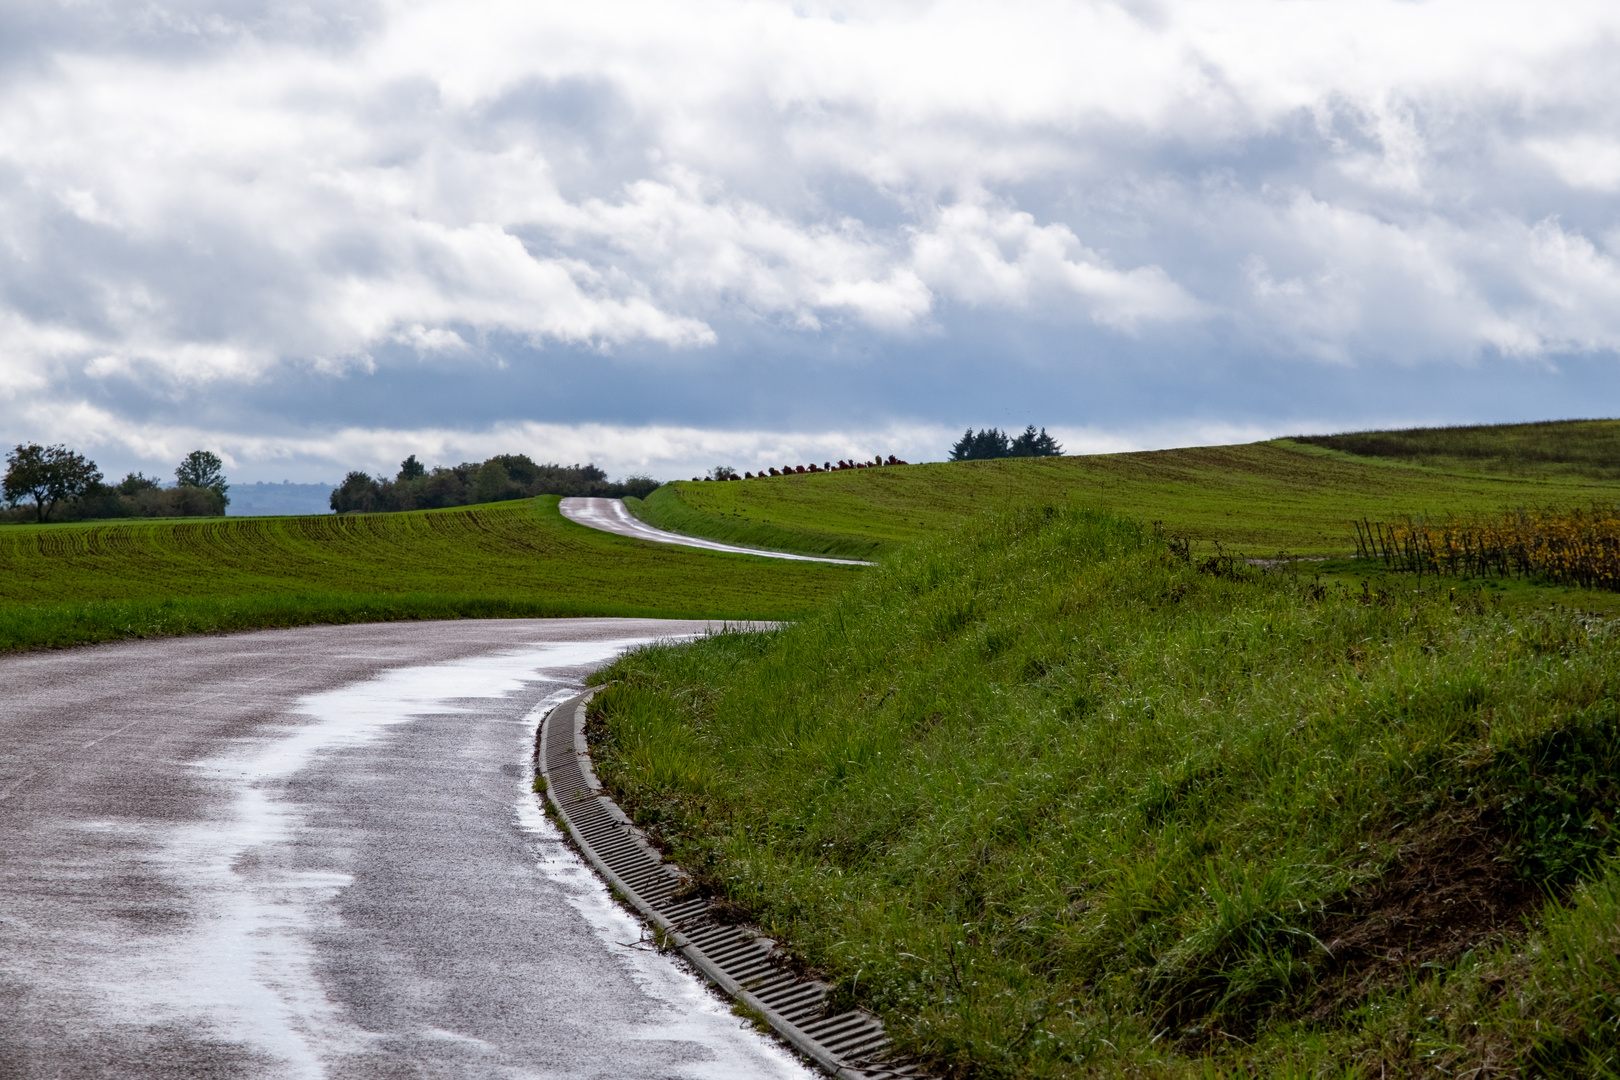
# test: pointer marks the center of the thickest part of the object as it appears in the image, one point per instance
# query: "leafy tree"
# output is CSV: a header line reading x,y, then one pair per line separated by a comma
x,y
637,486
203,469
134,483
520,471
722,472
49,475
357,494
504,476
1030,444
493,483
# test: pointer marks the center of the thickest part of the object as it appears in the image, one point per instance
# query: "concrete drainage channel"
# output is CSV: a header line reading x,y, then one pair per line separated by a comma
x,y
849,1044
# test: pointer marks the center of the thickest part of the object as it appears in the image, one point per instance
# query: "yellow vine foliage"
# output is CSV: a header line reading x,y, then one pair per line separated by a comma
x,y
1564,547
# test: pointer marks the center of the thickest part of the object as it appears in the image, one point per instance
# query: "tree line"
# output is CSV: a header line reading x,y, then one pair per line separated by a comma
x,y
56,482
995,443
504,476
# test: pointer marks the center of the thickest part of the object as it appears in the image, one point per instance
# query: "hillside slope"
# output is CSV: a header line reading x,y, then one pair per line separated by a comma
x,y
1258,498
1553,449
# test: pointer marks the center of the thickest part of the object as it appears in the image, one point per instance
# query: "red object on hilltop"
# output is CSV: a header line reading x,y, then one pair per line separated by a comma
x,y
877,462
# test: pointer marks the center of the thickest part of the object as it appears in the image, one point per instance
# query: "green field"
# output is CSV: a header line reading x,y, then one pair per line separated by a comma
x,y
1057,801
61,584
1259,499
1560,449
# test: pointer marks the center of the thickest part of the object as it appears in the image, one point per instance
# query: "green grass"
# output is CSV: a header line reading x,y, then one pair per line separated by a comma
x,y
1259,498
63,584
1557,449
1058,803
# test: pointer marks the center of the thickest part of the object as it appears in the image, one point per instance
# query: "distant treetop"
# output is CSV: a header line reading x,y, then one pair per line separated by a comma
x,y
504,476
995,443
203,469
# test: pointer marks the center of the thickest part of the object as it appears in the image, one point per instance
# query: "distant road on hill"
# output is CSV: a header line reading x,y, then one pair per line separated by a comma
x,y
611,515
317,852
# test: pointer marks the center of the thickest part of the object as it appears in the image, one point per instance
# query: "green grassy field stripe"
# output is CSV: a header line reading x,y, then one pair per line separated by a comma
x,y
92,581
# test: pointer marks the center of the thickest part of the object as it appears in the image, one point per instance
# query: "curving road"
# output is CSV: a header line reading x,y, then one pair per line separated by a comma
x,y
315,853
611,515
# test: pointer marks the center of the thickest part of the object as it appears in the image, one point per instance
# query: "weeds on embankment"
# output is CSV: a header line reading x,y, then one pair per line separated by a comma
x,y
1561,547
1057,800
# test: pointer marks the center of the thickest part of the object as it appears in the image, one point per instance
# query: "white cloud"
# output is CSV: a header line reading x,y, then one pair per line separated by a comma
x,y
989,254
215,194
1585,161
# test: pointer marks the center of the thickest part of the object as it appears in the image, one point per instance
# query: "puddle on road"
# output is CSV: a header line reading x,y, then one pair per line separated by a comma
x,y
244,969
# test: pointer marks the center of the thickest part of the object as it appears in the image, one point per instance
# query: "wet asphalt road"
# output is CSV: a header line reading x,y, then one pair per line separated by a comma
x,y
314,853
611,515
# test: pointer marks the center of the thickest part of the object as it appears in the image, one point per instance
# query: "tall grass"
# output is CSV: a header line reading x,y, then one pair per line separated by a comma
x,y
1058,802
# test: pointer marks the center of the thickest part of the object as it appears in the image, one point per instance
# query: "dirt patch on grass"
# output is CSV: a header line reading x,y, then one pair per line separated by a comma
x,y
1448,893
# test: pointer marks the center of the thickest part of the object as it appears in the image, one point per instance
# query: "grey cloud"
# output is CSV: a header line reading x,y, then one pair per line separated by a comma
x,y
313,217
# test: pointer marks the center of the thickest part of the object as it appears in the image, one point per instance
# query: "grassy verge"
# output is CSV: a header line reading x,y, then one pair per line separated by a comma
x,y
1259,498
1057,802
63,584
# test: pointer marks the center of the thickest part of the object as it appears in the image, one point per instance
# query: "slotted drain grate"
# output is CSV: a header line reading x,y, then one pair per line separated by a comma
x,y
849,1044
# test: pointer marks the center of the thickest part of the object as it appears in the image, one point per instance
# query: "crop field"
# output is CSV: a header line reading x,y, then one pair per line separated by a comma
x,y
1059,800
1258,499
65,583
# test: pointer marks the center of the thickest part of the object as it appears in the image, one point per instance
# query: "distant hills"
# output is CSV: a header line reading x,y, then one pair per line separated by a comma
x,y
264,500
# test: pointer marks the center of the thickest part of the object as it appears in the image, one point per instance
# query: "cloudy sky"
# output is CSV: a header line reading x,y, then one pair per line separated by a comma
x,y
667,235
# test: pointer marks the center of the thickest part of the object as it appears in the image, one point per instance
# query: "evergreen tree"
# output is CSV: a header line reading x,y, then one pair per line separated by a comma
x,y
1030,444
994,443
986,444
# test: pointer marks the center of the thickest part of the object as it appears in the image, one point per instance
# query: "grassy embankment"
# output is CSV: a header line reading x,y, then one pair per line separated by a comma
x,y
1057,802
66,584
1259,498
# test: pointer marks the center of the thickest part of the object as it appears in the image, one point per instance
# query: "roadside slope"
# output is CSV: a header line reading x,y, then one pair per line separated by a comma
x,y
1258,498
1057,802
